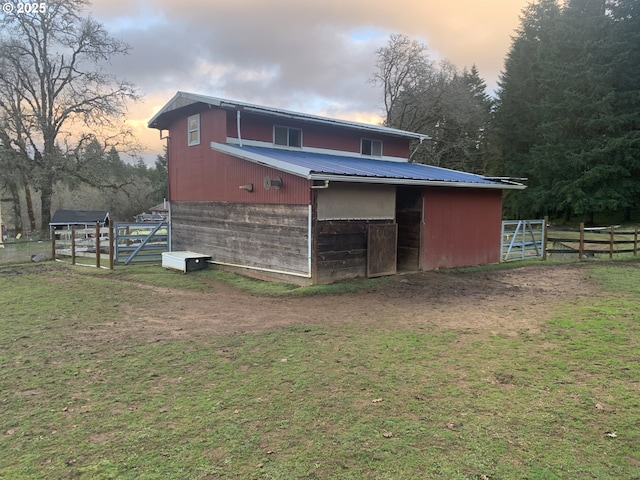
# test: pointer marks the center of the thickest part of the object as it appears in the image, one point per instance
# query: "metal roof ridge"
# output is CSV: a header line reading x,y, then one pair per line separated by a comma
x,y
222,102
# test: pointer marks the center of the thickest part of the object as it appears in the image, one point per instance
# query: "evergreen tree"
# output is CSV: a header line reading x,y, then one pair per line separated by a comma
x,y
513,129
626,80
560,118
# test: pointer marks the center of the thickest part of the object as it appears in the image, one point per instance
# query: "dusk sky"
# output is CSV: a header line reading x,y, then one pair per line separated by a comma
x,y
312,56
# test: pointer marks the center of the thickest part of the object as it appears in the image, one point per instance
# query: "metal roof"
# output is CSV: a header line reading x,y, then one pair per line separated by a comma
x,y
79,217
184,99
324,166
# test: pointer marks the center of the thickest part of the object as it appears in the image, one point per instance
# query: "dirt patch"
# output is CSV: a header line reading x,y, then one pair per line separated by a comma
x,y
493,302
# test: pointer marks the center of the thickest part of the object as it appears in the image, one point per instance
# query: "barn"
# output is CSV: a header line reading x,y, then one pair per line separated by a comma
x,y
308,199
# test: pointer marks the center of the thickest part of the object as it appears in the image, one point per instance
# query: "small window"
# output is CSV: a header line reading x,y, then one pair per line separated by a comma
x,y
371,147
193,130
288,137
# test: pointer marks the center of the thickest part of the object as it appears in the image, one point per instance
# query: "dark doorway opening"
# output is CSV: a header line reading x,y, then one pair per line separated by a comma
x,y
409,219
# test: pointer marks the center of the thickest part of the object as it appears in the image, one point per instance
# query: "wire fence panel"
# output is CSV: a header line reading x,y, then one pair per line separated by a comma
x,y
23,252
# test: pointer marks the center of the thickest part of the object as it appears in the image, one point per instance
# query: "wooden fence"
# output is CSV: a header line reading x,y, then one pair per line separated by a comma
x,y
122,244
84,242
588,242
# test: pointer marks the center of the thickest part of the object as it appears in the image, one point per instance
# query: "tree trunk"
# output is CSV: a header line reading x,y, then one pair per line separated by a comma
x,y
588,219
17,209
45,203
29,200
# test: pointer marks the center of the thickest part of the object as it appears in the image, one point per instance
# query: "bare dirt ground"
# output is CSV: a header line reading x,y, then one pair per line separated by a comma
x,y
491,302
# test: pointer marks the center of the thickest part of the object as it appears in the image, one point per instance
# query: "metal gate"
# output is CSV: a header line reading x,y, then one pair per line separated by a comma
x,y
137,243
522,239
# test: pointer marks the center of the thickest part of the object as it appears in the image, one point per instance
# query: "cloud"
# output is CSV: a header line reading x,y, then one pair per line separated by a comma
x,y
314,56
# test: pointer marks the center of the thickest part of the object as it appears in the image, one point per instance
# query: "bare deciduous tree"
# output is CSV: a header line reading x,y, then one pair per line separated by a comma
x,y
55,93
435,99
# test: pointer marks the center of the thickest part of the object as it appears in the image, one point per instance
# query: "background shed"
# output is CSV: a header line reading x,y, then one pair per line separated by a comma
x,y
65,219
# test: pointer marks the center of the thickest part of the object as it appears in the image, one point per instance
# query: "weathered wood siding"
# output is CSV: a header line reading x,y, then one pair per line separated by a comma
x,y
409,218
261,236
409,231
342,249
382,251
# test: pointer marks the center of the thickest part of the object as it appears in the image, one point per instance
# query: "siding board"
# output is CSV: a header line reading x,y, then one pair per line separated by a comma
x,y
342,249
261,236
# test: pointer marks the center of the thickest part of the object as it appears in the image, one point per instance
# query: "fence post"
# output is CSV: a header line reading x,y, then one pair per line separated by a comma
x,y
97,244
611,243
635,241
545,235
111,240
73,244
581,246
53,242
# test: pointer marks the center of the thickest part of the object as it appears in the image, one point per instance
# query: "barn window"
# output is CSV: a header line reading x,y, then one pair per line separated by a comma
x,y
371,147
193,130
286,136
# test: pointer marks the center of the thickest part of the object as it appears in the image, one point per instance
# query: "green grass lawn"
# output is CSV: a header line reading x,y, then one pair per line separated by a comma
x,y
311,402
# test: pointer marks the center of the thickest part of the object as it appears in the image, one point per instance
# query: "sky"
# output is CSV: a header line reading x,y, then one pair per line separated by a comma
x,y
311,56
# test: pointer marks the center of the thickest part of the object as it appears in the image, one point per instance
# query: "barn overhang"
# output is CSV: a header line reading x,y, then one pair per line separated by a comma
x,y
342,168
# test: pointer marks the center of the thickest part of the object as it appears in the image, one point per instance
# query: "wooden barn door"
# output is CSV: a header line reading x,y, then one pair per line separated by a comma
x,y
382,257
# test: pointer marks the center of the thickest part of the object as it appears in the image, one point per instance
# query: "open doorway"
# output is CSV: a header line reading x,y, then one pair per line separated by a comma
x,y
409,220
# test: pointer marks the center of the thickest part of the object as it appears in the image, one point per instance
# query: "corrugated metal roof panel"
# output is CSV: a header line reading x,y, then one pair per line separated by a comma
x,y
327,166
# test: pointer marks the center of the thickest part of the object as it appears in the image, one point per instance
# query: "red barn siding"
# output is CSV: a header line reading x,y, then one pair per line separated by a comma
x,y
199,174
260,128
461,227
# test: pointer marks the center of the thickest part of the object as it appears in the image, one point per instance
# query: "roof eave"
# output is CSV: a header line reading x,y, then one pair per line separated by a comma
x,y
192,98
410,181
310,175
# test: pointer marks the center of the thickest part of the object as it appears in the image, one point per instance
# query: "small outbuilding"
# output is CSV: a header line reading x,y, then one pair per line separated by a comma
x,y
65,219
158,213
309,199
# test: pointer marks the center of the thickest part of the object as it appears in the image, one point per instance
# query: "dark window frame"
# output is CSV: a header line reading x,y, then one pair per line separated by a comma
x,y
293,136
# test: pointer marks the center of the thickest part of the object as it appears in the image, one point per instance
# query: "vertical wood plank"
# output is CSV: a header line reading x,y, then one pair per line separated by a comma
x,y
73,244
111,245
611,243
545,235
581,247
97,245
382,252
53,242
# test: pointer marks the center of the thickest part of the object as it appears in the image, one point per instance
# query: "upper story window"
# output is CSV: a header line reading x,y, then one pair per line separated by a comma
x,y
371,147
289,137
193,130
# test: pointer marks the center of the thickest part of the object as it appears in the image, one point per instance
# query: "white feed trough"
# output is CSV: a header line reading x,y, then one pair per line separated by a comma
x,y
184,261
